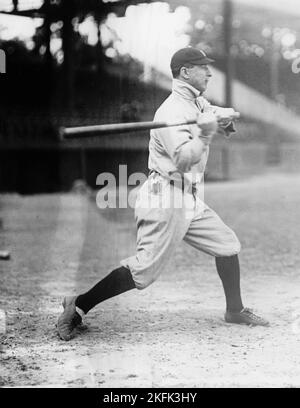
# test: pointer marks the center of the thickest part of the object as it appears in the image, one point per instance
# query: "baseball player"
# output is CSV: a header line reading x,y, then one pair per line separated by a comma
x,y
169,206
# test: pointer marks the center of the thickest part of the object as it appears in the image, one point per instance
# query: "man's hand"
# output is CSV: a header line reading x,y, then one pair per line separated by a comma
x,y
226,115
208,124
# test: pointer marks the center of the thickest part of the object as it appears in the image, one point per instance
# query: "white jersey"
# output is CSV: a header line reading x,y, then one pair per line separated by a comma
x,y
178,152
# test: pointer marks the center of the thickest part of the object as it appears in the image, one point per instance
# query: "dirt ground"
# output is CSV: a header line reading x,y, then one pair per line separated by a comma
x,y
170,335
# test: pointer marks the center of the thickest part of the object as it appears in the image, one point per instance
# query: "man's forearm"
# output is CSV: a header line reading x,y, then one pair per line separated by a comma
x,y
190,153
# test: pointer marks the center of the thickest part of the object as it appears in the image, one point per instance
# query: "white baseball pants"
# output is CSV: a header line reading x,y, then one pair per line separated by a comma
x,y
165,215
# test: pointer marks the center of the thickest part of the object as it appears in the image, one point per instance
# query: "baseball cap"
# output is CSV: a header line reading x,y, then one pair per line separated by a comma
x,y
189,55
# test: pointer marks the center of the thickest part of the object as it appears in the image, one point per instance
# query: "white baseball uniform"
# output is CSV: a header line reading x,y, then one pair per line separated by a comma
x,y
170,206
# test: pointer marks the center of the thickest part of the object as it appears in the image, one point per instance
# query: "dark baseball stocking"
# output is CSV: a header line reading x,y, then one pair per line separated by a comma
x,y
117,282
229,271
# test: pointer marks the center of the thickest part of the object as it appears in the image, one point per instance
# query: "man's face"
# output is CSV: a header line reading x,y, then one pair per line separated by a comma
x,y
199,76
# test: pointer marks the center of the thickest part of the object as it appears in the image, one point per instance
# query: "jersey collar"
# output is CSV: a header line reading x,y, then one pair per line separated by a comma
x,y
185,90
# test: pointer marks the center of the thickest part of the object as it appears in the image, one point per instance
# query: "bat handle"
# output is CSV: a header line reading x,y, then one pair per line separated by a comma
x,y
229,118
61,133
236,115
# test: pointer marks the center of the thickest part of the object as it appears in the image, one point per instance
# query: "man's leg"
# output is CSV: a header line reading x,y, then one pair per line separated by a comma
x,y
159,230
229,271
209,234
117,282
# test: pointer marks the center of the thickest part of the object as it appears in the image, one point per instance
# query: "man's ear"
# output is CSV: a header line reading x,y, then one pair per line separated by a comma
x,y
184,73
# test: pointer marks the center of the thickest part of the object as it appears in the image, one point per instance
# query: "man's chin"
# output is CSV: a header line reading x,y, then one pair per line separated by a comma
x,y
202,89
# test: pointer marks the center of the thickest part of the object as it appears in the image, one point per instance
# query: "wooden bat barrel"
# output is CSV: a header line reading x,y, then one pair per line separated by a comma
x,y
99,130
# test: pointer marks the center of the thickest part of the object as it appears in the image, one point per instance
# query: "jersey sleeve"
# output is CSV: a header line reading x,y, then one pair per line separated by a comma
x,y
183,148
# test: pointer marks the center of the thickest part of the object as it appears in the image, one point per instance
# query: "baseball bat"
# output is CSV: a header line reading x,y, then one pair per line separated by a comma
x,y
98,130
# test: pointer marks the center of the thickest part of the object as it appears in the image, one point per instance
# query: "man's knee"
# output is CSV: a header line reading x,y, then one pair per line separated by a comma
x,y
235,248
143,276
143,282
230,248
238,247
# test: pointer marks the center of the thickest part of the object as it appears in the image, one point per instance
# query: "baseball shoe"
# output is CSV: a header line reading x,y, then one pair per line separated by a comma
x,y
69,319
245,316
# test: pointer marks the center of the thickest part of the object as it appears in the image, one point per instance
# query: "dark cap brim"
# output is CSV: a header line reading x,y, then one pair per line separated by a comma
x,y
204,61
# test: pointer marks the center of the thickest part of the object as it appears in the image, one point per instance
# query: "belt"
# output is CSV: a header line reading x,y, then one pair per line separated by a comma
x,y
172,182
